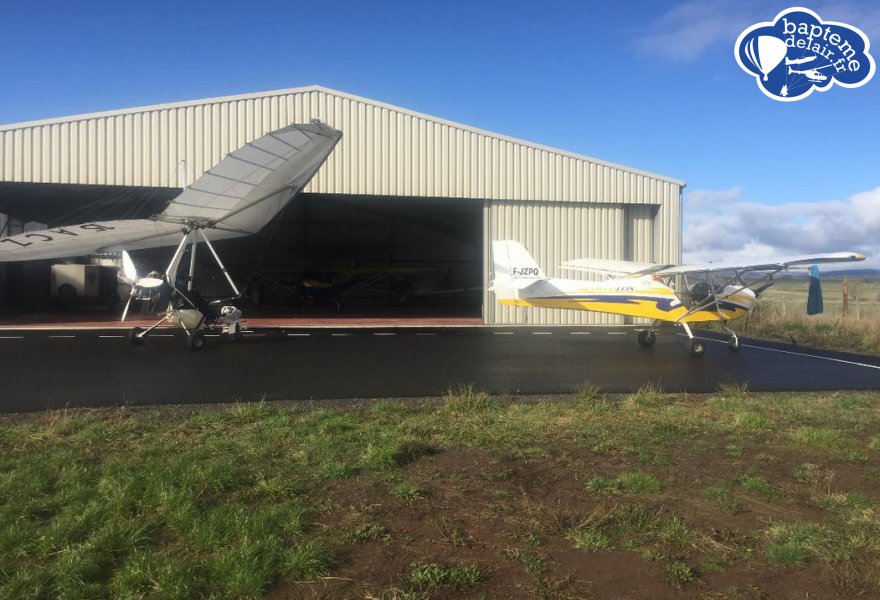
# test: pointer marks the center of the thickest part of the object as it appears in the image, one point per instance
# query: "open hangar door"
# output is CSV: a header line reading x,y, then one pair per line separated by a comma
x,y
25,287
323,255
347,255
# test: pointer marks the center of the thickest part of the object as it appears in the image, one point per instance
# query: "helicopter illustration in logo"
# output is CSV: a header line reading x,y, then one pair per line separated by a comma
x,y
811,74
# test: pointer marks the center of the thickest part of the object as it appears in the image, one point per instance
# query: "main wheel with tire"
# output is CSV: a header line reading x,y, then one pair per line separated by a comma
x,y
647,338
733,344
696,347
135,338
67,295
196,341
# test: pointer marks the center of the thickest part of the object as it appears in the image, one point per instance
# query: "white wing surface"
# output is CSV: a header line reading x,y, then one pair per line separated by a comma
x,y
89,238
609,268
779,265
237,197
247,188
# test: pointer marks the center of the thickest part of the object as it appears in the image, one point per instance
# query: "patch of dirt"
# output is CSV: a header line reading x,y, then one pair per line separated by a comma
x,y
509,516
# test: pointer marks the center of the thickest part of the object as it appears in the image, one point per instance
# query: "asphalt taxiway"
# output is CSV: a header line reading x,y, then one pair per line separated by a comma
x,y
52,368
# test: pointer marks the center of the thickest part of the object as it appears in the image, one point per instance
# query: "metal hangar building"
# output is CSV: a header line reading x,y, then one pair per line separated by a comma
x,y
402,191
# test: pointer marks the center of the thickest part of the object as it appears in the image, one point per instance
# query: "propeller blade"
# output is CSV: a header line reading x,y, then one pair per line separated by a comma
x,y
128,268
127,304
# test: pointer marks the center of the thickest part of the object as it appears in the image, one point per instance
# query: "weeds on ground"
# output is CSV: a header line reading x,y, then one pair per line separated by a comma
x,y
225,502
427,576
824,331
467,399
531,561
635,482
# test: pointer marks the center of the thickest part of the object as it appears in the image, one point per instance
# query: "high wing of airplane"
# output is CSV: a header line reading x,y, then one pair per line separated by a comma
x,y
681,295
235,198
611,268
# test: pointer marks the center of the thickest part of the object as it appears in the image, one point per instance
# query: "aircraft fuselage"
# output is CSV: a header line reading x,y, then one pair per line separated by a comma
x,y
635,297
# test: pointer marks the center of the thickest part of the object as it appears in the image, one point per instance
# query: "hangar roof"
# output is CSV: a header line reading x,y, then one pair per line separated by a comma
x,y
385,150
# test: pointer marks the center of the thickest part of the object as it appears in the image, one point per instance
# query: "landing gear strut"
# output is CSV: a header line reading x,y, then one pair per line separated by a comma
x,y
695,347
733,343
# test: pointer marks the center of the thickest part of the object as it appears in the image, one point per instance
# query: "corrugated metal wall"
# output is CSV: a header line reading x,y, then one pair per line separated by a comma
x,y
385,150
555,232
538,195
640,233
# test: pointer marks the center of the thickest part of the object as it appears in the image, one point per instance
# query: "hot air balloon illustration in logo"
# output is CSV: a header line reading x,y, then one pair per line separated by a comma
x,y
765,52
798,53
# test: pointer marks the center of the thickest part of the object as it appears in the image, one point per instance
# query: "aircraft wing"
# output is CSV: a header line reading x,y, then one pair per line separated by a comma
x,y
237,197
247,188
609,268
89,238
780,265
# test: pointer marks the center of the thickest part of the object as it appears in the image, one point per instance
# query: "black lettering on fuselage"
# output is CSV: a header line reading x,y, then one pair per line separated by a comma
x,y
525,271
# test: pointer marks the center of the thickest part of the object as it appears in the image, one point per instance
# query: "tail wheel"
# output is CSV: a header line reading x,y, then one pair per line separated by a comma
x,y
647,338
696,347
196,341
135,337
733,344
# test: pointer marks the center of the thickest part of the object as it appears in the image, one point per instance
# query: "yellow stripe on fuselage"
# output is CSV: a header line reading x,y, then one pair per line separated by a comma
x,y
645,308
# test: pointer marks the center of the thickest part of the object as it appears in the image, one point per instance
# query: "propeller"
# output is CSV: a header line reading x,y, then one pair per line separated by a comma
x,y
131,278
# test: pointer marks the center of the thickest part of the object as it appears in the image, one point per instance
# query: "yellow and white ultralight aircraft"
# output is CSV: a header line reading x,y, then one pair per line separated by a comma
x,y
710,293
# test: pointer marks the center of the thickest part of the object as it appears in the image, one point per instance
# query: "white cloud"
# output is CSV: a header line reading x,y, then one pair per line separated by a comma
x,y
710,198
721,226
686,32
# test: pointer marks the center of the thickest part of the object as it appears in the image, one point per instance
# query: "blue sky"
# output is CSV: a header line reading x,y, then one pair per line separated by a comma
x,y
652,85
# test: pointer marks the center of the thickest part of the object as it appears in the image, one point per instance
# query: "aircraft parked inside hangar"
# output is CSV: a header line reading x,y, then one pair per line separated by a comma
x,y
715,292
235,198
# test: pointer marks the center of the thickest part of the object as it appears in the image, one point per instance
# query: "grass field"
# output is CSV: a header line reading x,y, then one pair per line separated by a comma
x,y
732,495
781,314
788,297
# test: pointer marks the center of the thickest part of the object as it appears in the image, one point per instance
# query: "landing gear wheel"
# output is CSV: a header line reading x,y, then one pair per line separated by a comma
x,y
67,294
696,347
233,335
135,338
733,344
647,338
196,341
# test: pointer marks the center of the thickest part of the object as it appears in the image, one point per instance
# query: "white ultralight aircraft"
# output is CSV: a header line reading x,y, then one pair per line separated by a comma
x,y
235,198
710,293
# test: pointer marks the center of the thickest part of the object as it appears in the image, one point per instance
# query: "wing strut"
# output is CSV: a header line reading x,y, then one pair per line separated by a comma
x,y
219,262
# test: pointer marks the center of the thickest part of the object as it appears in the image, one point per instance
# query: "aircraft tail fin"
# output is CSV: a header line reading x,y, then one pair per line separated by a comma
x,y
514,268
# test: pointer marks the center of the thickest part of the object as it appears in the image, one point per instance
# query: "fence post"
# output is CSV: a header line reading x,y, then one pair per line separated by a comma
x,y
845,295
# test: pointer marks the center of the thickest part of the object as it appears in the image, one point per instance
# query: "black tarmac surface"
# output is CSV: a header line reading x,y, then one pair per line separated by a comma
x,y
43,369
